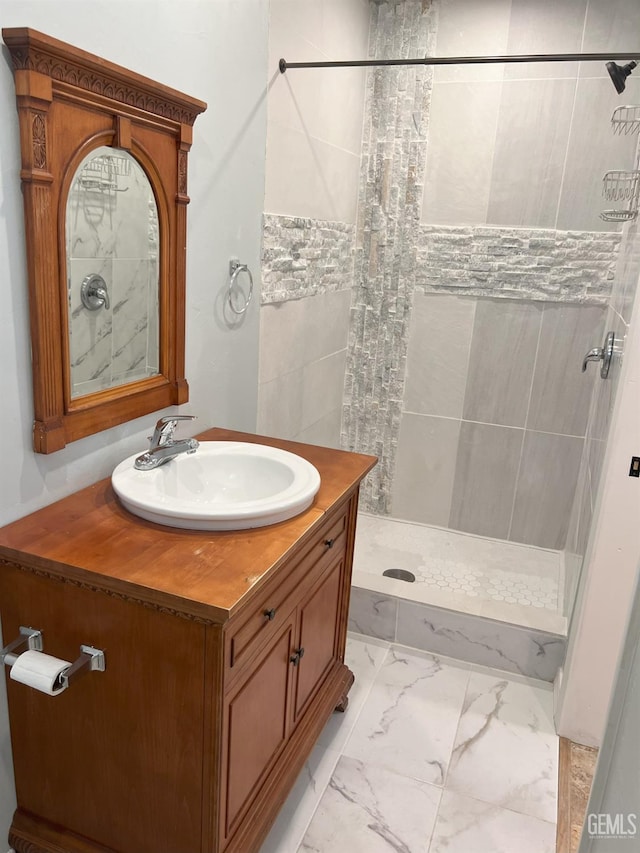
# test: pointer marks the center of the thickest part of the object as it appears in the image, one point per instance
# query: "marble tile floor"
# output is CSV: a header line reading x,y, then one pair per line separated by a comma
x,y
507,581
432,756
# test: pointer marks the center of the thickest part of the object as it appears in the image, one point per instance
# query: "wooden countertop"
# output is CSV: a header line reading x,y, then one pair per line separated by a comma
x,y
90,539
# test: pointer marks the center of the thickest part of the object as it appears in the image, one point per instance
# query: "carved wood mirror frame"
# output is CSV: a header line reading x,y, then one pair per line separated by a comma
x,y
70,102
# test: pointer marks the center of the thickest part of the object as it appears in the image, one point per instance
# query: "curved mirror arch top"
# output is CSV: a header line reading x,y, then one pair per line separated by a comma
x,y
112,259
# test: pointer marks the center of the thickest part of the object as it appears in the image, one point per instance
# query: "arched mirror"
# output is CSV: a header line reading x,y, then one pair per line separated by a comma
x,y
104,174
112,258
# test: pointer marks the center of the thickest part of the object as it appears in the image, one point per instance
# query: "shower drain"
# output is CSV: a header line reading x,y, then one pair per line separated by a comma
x,y
399,574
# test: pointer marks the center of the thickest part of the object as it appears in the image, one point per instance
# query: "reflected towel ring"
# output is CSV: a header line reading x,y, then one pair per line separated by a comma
x,y
235,268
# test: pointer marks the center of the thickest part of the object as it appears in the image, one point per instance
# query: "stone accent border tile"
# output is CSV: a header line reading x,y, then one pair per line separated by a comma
x,y
305,257
517,263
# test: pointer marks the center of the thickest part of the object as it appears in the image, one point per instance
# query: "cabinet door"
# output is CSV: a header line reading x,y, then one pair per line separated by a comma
x,y
317,636
256,725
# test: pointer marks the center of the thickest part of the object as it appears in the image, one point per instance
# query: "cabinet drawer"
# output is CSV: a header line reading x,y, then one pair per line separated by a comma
x,y
262,617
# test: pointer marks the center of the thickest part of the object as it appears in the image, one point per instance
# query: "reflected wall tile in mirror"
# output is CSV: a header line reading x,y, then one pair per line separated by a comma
x,y
90,332
438,354
130,318
485,479
425,469
546,489
462,136
135,215
153,312
89,232
561,392
503,351
531,142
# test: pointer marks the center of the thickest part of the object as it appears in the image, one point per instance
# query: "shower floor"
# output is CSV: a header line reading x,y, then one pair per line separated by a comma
x,y
499,580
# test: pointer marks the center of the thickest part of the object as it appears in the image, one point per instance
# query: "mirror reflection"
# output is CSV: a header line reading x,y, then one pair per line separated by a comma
x,y
112,248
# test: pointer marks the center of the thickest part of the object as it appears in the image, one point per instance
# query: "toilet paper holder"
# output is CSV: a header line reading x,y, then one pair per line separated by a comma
x,y
30,638
89,660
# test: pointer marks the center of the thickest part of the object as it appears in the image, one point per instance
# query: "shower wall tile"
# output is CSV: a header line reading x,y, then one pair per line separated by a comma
x,y
469,28
373,614
458,174
546,488
480,641
627,272
425,469
561,393
282,338
608,27
503,350
581,200
438,354
595,458
324,432
280,405
605,389
322,387
326,324
531,142
545,26
517,263
309,176
485,479
314,128
301,331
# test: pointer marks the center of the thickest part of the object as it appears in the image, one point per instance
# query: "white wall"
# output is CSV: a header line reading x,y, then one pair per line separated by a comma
x,y
610,567
215,50
616,784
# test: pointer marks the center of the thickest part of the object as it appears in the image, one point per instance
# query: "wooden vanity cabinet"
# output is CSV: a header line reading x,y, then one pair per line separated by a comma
x,y
225,659
302,645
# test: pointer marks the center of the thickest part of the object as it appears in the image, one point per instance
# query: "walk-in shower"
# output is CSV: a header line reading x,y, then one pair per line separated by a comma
x,y
494,245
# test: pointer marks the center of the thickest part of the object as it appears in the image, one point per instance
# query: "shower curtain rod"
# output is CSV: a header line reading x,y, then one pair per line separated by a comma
x,y
284,65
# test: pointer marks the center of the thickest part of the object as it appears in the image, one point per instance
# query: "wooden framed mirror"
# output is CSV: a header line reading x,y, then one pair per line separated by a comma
x,y
104,176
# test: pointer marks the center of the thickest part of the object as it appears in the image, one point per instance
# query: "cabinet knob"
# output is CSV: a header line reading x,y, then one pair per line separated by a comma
x,y
329,542
270,614
296,656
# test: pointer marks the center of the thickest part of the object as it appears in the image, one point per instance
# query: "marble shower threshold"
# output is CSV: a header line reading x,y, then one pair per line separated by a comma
x,y
519,638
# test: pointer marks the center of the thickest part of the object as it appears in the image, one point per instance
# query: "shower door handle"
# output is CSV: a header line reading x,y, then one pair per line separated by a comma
x,y
603,354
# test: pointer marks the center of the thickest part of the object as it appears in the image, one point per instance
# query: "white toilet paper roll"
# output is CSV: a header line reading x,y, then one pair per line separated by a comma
x,y
40,671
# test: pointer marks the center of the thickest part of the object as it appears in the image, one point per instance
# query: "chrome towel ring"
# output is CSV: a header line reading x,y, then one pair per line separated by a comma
x,y
235,268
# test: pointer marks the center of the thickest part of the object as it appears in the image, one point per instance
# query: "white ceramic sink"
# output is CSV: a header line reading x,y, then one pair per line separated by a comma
x,y
224,485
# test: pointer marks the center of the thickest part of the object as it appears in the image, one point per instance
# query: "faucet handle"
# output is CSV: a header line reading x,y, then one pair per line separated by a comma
x,y
163,431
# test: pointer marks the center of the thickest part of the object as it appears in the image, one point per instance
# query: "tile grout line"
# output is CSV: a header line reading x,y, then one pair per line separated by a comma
x,y
340,752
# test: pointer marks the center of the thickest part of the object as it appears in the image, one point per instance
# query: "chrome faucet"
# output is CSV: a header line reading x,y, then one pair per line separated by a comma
x,y
163,447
